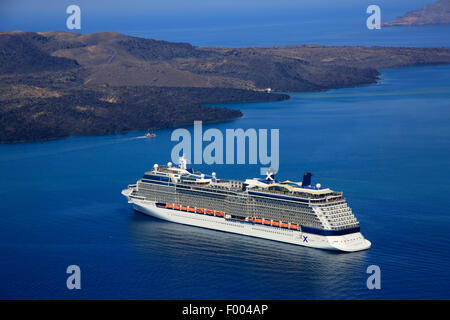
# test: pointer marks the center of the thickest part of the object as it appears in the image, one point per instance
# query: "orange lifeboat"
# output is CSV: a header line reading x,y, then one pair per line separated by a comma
x,y
293,227
200,210
219,213
251,219
183,208
267,222
191,210
176,207
210,212
275,224
284,225
169,206
258,220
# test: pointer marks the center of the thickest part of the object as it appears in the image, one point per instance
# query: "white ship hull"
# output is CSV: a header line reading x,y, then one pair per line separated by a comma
x,y
347,243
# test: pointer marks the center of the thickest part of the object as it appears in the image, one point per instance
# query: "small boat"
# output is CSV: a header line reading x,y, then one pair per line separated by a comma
x,y
284,225
200,210
293,227
275,224
267,222
258,220
210,212
169,206
191,209
150,134
183,208
176,207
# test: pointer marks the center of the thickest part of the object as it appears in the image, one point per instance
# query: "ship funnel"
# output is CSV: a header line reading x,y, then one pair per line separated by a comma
x,y
306,179
270,175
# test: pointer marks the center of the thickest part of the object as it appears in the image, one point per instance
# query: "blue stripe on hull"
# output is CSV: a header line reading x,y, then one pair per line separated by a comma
x,y
330,232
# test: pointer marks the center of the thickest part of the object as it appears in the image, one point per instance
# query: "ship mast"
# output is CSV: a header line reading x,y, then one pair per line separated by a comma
x,y
182,162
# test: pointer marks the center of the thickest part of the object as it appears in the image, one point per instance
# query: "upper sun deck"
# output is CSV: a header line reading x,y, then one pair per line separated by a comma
x,y
317,198
179,174
303,189
265,187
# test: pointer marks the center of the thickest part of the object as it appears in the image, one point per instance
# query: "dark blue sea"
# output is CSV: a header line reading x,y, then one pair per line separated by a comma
x,y
387,146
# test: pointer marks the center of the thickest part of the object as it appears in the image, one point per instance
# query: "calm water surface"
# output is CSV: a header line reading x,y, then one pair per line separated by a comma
x,y
387,146
232,23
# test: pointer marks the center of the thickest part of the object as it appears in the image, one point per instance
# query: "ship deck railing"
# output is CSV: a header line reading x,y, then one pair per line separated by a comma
x,y
307,196
328,201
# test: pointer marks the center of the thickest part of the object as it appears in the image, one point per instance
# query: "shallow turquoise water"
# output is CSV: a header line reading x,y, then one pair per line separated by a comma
x,y
387,146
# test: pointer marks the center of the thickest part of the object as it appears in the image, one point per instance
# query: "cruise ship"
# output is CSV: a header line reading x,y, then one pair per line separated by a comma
x,y
287,211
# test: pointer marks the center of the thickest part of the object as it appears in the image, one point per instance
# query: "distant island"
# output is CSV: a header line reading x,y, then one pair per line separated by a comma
x,y
437,13
56,84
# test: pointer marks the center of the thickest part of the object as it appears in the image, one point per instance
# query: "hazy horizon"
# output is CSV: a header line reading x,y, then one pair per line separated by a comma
x,y
48,15
230,23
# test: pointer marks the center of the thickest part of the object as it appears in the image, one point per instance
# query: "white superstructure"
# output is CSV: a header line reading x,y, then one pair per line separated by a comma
x,y
291,212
